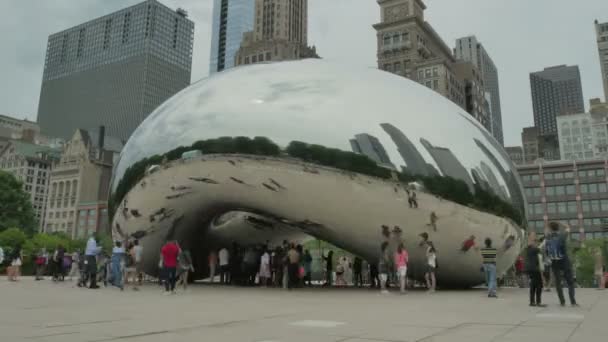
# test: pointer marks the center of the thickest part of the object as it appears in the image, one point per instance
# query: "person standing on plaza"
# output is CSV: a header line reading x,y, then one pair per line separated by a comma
x,y
16,261
185,267
74,270
90,253
58,271
431,264
401,261
264,272
169,252
329,266
224,260
117,265
599,269
307,268
293,259
383,266
136,255
534,267
358,271
212,260
488,256
561,266
41,261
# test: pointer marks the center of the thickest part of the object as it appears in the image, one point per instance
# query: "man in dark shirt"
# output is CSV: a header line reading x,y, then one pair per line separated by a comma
x,y
533,266
555,246
357,269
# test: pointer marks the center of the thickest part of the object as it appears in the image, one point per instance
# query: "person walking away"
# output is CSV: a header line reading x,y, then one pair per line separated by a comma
x,y
560,263
277,266
293,267
185,267
488,257
329,266
224,258
519,272
212,260
58,263
170,251
358,272
383,266
117,262
307,268
136,255
401,260
599,269
16,262
41,260
431,265
533,267
374,279
90,253
74,270
264,271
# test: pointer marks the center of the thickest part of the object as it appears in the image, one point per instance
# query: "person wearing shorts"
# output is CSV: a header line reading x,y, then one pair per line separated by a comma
x,y
401,259
383,267
431,265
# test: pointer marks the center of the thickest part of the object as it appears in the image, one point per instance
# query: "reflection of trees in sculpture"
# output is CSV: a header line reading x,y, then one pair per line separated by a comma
x,y
446,187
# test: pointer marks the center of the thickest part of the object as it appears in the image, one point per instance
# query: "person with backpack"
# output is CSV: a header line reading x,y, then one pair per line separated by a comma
x,y
561,266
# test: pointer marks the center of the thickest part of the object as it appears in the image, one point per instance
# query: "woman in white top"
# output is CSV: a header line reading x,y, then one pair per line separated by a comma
x,y
75,271
264,268
431,265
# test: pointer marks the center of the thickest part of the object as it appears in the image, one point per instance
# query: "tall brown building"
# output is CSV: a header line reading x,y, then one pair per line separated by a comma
x,y
280,33
410,47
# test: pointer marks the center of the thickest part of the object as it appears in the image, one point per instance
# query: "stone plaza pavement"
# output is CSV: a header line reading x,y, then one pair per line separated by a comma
x,y
44,311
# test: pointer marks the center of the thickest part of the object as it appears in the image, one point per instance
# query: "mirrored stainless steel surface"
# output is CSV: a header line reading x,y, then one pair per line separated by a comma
x,y
208,201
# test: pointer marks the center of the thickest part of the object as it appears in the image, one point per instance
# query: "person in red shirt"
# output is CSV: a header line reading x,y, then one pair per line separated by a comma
x,y
170,252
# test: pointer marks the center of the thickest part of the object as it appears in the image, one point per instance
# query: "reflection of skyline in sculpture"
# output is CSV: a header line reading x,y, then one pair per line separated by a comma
x,y
371,147
493,181
415,163
509,177
448,163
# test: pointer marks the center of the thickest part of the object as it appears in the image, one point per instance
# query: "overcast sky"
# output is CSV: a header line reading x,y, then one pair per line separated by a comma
x,y
521,36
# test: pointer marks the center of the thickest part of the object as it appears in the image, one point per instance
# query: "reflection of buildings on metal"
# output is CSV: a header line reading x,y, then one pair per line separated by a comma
x,y
415,163
448,163
492,180
516,195
370,146
275,196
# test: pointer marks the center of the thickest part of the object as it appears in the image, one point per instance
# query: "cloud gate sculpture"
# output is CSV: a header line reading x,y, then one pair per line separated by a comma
x,y
305,149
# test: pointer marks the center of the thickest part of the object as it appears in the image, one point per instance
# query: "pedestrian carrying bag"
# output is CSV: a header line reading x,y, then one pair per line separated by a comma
x,y
554,248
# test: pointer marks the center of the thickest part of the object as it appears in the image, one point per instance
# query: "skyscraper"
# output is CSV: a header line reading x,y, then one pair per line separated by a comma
x,y
280,33
409,46
115,70
448,163
231,18
601,30
469,49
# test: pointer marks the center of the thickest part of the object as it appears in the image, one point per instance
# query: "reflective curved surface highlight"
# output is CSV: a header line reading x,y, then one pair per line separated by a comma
x,y
332,143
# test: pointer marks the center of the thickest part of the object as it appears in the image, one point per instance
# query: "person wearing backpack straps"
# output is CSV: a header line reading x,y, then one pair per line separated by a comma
x,y
555,246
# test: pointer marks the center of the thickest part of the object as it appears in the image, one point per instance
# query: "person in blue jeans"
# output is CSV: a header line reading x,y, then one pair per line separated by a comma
x,y
561,266
488,256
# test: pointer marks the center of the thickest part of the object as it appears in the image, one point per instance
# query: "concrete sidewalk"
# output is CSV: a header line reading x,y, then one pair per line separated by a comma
x,y
45,311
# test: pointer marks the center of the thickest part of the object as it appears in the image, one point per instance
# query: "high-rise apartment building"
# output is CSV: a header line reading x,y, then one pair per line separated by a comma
x,y
531,144
32,165
585,135
555,91
471,50
280,33
571,192
410,47
115,70
475,100
231,19
601,30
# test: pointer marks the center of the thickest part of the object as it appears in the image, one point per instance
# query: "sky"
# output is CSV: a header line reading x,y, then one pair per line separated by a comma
x,y
521,36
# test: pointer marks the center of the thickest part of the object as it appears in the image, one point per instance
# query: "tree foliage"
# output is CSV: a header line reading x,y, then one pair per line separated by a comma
x,y
15,207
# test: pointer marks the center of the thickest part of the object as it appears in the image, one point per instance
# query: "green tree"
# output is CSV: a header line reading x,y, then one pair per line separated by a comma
x,y
12,238
15,206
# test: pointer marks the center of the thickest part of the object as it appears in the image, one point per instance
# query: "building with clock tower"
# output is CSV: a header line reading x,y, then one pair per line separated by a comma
x,y
410,47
